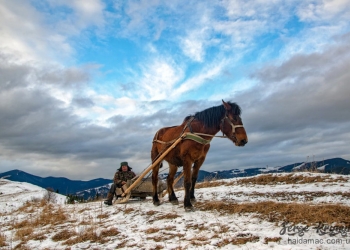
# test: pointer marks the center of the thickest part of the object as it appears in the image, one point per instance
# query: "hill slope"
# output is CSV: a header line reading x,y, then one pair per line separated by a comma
x,y
240,213
63,185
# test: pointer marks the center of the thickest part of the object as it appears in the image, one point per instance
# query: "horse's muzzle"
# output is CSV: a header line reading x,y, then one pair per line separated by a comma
x,y
242,143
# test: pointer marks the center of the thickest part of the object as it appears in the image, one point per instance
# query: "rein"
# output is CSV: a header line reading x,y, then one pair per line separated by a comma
x,y
197,136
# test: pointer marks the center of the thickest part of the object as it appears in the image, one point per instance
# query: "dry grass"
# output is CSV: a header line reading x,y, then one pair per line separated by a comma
x,y
210,182
89,234
271,179
63,235
199,241
291,212
238,240
244,238
150,213
168,216
23,234
40,220
272,239
290,196
103,216
48,216
128,210
152,230
2,240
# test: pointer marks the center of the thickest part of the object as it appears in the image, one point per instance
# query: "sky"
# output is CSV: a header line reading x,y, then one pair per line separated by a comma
x,y
85,85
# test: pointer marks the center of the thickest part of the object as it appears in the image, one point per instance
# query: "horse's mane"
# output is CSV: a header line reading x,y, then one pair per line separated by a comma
x,y
211,117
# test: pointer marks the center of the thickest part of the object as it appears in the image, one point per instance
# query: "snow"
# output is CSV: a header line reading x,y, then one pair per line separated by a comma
x,y
299,166
322,168
268,169
145,226
15,194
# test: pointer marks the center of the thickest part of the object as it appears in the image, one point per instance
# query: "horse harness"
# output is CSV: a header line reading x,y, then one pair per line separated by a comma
x,y
197,136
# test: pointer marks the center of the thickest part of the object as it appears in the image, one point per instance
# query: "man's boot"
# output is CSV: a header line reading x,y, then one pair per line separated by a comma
x,y
109,199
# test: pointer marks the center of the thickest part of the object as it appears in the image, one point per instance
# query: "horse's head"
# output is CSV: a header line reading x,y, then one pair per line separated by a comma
x,y
232,126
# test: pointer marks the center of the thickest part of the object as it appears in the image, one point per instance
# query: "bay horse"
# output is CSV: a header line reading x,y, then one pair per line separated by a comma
x,y
192,150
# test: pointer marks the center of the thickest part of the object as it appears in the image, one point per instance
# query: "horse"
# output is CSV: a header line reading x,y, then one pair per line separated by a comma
x,y
199,128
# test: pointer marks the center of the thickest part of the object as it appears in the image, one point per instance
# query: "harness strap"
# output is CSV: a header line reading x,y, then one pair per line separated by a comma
x,y
189,124
196,138
164,142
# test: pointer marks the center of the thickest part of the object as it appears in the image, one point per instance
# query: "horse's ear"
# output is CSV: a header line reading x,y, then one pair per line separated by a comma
x,y
226,105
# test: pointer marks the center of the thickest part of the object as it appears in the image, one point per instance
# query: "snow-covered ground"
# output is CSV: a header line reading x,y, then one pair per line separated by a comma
x,y
140,225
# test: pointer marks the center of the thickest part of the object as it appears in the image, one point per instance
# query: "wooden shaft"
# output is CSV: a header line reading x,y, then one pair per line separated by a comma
x,y
175,181
153,165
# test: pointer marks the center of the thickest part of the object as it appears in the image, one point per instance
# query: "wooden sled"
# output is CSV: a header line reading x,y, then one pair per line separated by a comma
x,y
130,192
142,190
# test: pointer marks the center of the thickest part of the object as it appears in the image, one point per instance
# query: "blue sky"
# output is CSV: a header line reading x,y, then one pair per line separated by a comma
x,y
86,84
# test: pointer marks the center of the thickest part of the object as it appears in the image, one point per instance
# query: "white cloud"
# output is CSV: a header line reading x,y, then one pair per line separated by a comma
x,y
209,72
193,48
321,11
158,80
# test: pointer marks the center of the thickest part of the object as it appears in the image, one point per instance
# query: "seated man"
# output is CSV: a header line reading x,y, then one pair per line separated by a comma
x,y
123,174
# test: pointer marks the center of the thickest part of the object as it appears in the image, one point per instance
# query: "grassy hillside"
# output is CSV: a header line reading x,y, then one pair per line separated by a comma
x,y
270,211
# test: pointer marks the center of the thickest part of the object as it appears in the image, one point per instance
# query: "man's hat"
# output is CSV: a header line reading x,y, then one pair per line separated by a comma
x,y
124,163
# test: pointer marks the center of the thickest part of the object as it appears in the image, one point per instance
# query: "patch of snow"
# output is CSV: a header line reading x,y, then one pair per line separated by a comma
x,y
299,166
322,168
141,224
15,194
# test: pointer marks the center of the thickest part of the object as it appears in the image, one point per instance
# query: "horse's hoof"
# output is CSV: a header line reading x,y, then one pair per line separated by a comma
x,y
189,209
156,203
174,202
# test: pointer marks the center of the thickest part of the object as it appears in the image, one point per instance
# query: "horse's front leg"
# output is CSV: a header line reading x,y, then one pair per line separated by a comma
x,y
155,171
170,182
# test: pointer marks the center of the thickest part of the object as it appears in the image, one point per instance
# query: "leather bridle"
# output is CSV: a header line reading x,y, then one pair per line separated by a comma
x,y
232,125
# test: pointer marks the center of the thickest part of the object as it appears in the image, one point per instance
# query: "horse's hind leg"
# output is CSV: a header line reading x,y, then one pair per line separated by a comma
x,y
187,185
196,166
170,182
155,171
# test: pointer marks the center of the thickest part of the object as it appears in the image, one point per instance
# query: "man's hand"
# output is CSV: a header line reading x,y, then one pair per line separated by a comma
x,y
123,183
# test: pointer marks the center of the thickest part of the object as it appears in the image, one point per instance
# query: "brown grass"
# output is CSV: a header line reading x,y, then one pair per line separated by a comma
x,y
150,213
22,246
109,232
240,240
168,216
2,240
211,182
103,216
63,235
128,210
291,212
199,241
272,239
89,234
291,196
270,179
23,234
151,230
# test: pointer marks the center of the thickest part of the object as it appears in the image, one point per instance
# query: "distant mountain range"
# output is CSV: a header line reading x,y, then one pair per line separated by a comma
x,y
99,187
62,185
